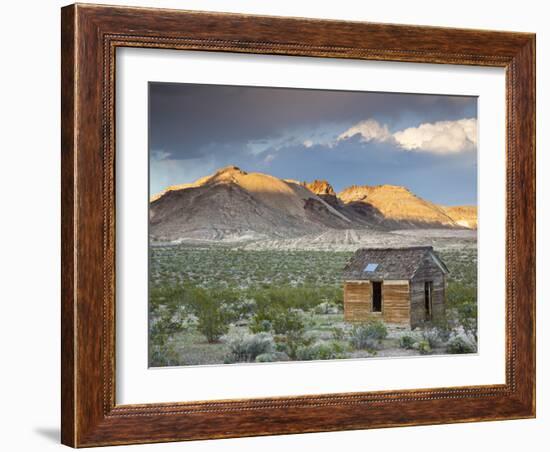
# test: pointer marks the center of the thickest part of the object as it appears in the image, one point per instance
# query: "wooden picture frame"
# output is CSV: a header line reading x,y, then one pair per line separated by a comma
x,y
90,36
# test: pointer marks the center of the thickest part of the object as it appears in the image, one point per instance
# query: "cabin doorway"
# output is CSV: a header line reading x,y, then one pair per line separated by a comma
x,y
376,296
428,291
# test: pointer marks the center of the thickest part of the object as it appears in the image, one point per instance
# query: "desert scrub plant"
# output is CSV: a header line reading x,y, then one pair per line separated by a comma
x,y
289,321
247,347
279,320
406,341
321,351
432,336
213,319
164,353
459,345
368,336
423,347
272,357
296,339
338,333
257,325
325,308
467,317
238,309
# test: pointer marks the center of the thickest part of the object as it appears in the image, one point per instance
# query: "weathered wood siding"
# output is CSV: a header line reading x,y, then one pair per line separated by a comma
x,y
428,271
395,302
417,303
358,302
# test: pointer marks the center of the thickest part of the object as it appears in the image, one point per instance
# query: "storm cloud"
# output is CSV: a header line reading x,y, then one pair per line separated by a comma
x,y
424,142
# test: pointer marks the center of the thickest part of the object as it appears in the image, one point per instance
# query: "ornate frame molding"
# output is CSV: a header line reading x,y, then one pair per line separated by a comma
x,y
90,37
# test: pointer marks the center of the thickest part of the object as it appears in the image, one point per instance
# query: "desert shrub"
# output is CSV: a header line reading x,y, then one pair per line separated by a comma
x,y
462,300
257,325
459,293
320,351
459,345
467,317
423,347
168,296
326,307
213,319
163,326
338,333
281,345
167,315
368,336
247,347
432,336
236,307
272,357
406,342
164,353
444,326
336,297
279,320
296,339
289,321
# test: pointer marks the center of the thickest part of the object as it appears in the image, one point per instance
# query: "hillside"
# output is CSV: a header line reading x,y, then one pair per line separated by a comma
x,y
397,206
465,216
232,205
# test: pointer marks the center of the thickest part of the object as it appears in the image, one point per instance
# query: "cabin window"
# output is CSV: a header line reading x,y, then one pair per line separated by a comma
x,y
428,292
376,296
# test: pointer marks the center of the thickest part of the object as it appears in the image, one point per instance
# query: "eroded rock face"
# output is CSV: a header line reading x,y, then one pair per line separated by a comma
x,y
465,216
398,204
324,190
320,187
233,205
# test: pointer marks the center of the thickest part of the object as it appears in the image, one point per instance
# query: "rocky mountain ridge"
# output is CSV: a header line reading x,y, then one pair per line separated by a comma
x,y
232,205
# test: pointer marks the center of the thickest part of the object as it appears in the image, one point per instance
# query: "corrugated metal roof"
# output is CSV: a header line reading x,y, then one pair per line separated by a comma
x,y
391,263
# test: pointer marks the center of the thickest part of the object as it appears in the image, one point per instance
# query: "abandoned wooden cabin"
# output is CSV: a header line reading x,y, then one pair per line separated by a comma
x,y
404,286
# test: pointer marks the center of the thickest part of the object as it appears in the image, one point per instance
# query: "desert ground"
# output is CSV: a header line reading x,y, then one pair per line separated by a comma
x,y
282,300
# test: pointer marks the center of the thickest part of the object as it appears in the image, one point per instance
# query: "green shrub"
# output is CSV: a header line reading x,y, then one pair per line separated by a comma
x,y
236,308
458,345
444,325
462,300
320,351
325,308
213,319
278,320
467,317
423,347
272,357
406,342
289,321
338,333
296,339
247,347
257,325
368,336
432,337
459,293
164,353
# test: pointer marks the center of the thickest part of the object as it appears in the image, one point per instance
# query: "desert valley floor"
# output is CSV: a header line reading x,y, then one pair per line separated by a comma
x,y
280,300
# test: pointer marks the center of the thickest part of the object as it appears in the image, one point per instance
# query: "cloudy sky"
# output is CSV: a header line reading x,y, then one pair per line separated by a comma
x,y
427,143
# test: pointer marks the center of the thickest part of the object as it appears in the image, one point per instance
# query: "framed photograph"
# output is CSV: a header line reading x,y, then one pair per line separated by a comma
x,y
281,225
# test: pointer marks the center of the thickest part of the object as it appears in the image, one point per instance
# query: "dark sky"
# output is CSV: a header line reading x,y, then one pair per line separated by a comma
x,y
427,143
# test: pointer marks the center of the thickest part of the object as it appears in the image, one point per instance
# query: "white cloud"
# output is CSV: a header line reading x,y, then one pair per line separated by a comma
x,y
269,158
442,137
307,143
368,130
160,155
